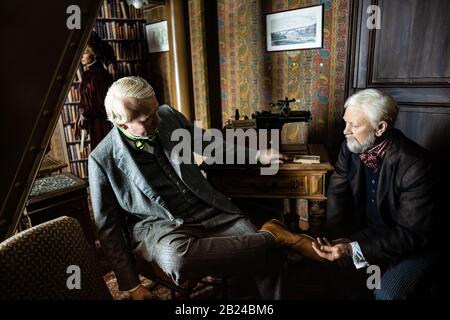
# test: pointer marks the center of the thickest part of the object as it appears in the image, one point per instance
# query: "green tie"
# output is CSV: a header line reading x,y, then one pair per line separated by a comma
x,y
138,141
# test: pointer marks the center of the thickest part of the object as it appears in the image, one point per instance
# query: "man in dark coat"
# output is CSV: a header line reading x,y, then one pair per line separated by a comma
x,y
380,198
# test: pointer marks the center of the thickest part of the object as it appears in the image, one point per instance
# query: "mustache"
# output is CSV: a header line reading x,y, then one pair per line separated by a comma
x,y
360,146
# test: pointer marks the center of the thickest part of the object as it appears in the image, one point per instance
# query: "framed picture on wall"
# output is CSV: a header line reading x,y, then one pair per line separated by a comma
x,y
157,37
295,29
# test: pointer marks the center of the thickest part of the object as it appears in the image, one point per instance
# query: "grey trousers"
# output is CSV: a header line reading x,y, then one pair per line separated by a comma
x,y
236,249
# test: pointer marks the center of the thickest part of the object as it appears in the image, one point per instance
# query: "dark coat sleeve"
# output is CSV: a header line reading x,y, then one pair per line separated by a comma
x,y
110,227
339,197
413,219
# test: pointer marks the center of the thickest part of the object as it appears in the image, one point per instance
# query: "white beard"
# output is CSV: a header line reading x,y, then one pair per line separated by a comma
x,y
356,147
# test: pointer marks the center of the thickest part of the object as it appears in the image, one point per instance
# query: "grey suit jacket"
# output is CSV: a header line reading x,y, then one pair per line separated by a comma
x,y
123,197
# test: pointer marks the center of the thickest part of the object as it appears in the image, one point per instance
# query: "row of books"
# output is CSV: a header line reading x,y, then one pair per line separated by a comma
x,y
75,152
120,30
79,169
78,74
69,130
73,96
127,68
133,50
119,9
69,113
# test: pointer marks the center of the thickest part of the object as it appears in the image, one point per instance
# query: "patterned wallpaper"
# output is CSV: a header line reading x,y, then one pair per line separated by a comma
x,y
198,58
251,77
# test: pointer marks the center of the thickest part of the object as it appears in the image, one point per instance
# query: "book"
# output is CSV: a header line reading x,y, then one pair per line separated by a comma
x,y
244,124
306,159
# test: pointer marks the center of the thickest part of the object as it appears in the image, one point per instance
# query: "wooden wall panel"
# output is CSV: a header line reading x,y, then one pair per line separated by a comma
x,y
409,59
408,48
428,126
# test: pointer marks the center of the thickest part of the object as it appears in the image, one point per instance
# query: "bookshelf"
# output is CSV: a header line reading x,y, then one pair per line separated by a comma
x,y
69,115
123,27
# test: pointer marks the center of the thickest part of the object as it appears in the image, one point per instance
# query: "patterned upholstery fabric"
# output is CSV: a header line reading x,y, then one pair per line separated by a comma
x,y
34,264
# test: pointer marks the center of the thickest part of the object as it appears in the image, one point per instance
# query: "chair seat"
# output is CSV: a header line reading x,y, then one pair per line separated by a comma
x,y
34,264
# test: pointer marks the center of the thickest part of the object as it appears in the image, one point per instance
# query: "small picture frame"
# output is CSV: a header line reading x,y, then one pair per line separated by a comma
x,y
157,37
295,29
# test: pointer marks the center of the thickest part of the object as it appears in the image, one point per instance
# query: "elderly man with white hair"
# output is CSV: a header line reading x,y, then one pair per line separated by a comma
x,y
174,217
380,198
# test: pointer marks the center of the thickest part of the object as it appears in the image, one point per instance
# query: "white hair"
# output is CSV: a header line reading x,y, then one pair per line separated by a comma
x,y
377,105
127,87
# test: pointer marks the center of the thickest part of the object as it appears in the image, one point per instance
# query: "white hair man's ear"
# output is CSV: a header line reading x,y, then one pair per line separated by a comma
x,y
381,129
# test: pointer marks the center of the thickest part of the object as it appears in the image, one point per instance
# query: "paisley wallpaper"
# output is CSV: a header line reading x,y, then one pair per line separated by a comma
x,y
198,58
251,77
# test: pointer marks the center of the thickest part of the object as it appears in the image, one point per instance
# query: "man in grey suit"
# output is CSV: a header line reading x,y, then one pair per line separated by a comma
x,y
174,217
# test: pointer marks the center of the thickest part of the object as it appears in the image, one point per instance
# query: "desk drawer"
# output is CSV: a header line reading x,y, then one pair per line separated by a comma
x,y
249,185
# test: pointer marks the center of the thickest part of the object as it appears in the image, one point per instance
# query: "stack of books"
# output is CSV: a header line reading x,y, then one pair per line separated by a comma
x,y
306,159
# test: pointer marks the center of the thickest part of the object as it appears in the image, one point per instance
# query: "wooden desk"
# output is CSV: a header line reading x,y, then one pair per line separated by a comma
x,y
65,195
293,181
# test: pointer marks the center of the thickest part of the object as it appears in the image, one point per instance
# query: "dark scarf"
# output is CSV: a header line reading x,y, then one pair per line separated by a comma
x,y
373,157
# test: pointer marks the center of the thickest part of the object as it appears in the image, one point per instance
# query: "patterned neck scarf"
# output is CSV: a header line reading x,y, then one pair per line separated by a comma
x,y
139,142
373,157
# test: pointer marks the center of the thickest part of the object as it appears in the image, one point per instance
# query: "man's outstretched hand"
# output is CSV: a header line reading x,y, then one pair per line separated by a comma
x,y
335,251
267,156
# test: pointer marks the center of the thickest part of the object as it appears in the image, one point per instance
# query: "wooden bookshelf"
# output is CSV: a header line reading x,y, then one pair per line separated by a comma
x,y
123,40
123,27
119,19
